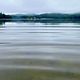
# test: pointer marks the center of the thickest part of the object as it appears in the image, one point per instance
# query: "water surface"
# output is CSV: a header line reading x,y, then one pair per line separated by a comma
x,y
40,46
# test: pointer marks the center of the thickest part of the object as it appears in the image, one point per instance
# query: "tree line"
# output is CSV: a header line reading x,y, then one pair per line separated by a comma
x,y
47,17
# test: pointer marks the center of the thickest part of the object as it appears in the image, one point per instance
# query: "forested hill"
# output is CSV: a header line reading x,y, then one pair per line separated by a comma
x,y
47,17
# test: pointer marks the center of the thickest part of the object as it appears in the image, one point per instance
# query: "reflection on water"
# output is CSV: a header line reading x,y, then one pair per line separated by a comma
x,y
37,46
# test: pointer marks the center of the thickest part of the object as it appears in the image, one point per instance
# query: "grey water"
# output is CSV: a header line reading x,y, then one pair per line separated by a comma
x,y
40,46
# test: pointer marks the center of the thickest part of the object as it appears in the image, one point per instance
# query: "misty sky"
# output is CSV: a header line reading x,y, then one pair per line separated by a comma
x,y
39,6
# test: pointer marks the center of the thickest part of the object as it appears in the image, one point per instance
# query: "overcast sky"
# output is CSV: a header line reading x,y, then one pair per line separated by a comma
x,y
39,6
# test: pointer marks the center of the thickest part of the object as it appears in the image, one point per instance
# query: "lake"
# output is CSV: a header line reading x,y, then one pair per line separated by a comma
x,y
28,50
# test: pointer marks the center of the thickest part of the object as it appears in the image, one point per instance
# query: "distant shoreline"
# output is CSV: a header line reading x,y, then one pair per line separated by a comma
x,y
43,18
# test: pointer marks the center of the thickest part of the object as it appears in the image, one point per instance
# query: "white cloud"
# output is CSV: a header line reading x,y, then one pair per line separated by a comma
x,y
64,5
33,6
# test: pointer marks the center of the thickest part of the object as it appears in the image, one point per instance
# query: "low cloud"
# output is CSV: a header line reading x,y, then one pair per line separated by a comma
x,y
39,6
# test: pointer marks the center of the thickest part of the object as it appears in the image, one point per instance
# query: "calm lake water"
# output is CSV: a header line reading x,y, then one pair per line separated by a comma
x,y
39,46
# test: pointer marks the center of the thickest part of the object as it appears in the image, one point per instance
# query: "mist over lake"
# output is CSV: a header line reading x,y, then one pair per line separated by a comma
x,y
39,39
